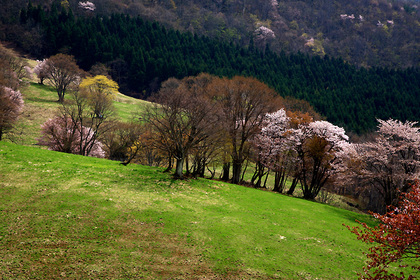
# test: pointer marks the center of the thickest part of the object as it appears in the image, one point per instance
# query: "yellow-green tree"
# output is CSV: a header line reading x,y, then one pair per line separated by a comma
x,y
100,92
99,84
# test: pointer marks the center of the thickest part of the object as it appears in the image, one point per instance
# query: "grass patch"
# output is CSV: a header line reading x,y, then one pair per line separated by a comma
x,y
76,217
41,104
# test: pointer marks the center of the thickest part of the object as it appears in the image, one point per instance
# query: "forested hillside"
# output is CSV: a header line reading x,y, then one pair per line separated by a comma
x,y
363,32
141,54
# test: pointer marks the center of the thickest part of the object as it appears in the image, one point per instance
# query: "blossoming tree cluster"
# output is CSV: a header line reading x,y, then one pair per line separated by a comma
x,y
385,166
83,119
306,153
12,70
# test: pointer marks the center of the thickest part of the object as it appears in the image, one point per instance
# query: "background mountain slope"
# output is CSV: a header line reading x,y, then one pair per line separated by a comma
x,y
362,32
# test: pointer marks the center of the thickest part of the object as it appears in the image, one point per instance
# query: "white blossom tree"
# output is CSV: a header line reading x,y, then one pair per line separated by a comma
x,y
88,6
390,163
273,146
41,70
318,145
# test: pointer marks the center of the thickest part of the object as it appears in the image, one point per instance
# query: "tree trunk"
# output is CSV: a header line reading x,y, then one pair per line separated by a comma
x,y
236,169
179,167
60,97
293,186
170,164
226,171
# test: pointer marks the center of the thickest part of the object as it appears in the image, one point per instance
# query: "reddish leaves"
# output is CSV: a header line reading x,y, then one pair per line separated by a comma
x,y
397,237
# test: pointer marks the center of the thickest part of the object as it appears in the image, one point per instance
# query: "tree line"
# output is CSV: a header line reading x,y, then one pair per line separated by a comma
x,y
141,54
206,122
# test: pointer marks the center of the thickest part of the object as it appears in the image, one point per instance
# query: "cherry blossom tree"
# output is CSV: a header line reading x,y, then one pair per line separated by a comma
x,y
88,6
389,163
11,105
41,70
62,134
396,238
273,146
317,145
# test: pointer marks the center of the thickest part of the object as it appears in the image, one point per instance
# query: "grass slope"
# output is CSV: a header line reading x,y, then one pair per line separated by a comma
x,y
76,217
41,104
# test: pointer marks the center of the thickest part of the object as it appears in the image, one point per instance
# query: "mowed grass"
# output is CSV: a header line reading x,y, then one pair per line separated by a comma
x,y
74,217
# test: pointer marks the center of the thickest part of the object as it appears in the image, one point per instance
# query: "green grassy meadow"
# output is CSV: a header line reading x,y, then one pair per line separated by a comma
x,y
77,217
65,216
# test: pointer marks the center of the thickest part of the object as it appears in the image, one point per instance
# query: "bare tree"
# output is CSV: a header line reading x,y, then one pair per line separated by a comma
x,y
123,142
62,72
182,117
242,104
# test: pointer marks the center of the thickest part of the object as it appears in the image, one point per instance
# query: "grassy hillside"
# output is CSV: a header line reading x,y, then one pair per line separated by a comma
x,y
77,217
41,104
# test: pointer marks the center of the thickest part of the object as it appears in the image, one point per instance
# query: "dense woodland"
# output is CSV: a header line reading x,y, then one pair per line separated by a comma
x,y
363,32
141,54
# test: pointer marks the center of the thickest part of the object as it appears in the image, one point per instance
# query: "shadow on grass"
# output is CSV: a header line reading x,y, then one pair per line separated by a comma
x,y
42,100
353,216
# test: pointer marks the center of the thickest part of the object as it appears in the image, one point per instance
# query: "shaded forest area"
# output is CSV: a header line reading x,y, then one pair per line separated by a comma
x,y
366,33
141,54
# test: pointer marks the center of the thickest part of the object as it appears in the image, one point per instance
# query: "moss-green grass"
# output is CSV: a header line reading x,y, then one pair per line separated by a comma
x,y
78,217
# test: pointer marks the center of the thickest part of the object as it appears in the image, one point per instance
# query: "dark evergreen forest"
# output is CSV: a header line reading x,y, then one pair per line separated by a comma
x,y
141,54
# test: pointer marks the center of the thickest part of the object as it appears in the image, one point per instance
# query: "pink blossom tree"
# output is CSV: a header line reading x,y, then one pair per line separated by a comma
x,y
62,134
389,163
11,105
303,150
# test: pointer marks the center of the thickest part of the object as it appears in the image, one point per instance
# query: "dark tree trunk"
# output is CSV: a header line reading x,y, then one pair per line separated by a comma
x,y
236,169
170,164
293,186
226,171
279,181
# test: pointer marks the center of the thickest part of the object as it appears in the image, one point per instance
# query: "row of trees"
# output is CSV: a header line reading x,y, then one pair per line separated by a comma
x,y
241,119
207,121
205,118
